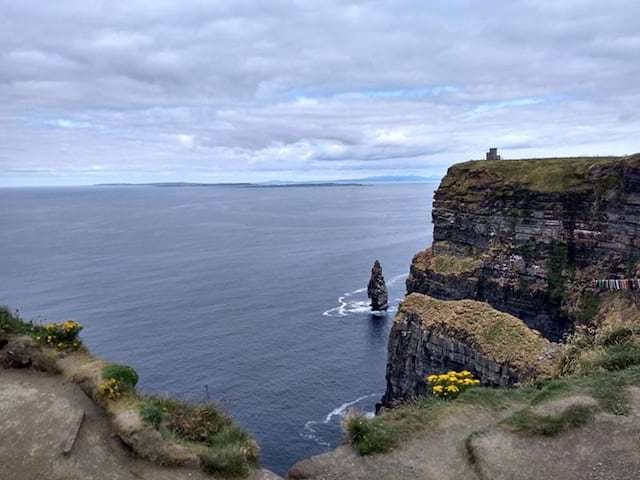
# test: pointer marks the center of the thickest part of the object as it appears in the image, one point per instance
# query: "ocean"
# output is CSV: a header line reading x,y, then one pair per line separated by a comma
x,y
253,296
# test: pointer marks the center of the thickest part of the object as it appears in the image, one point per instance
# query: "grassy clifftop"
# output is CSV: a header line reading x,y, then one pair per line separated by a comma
x,y
498,335
547,175
157,428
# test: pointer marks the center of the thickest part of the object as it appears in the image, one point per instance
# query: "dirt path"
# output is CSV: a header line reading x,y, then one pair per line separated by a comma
x,y
37,414
471,446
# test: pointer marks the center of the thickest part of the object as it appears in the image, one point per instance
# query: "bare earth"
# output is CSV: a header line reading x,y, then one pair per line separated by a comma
x,y
37,412
471,446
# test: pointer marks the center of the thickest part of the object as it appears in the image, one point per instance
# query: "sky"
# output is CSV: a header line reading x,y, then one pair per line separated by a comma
x,y
224,91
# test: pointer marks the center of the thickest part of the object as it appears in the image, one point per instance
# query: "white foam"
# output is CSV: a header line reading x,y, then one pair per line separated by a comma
x,y
311,433
347,305
395,279
342,408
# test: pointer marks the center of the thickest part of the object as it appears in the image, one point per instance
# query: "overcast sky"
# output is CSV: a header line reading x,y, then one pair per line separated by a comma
x,y
106,91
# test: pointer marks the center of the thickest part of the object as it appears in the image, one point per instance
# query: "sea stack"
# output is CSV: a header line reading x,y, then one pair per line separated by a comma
x,y
377,289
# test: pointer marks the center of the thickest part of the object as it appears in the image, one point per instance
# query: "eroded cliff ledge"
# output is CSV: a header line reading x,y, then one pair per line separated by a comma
x,y
430,334
530,236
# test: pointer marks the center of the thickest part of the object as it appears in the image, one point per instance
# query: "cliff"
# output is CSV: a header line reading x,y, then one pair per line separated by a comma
x,y
530,236
520,249
439,335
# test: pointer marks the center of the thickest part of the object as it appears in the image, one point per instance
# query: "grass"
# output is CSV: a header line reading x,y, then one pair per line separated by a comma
x,y
12,324
496,335
126,376
228,450
528,422
449,264
544,175
608,387
370,435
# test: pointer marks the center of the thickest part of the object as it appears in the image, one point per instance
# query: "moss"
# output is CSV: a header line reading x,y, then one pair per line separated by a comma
x,y
529,423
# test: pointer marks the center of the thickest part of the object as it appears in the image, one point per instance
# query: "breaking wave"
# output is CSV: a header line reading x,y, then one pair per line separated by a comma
x,y
312,427
356,301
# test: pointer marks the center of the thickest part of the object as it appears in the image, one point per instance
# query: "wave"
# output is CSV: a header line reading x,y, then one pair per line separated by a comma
x,y
351,303
310,431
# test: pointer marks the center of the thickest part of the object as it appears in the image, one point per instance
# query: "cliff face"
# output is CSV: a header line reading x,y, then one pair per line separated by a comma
x,y
430,334
529,236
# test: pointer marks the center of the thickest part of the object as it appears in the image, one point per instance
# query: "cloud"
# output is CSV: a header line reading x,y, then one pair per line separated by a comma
x,y
256,90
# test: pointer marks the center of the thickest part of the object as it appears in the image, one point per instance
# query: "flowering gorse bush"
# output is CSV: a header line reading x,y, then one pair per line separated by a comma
x,y
110,389
63,336
451,384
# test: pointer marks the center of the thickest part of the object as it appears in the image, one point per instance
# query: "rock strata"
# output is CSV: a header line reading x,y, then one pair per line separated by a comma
x,y
523,234
377,289
431,335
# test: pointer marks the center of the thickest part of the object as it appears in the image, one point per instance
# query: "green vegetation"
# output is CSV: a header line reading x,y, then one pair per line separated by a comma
x,y
451,384
383,432
62,336
449,264
543,175
124,375
229,451
616,357
605,382
369,435
558,271
589,307
12,324
528,250
527,422
496,335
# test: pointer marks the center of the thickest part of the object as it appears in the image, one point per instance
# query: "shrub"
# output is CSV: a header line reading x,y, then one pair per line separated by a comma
x,y
234,460
619,357
368,435
110,389
230,450
620,335
193,422
63,336
151,413
126,376
449,385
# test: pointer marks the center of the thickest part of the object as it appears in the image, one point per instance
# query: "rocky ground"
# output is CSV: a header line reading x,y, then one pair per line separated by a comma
x,y
472,444
38,412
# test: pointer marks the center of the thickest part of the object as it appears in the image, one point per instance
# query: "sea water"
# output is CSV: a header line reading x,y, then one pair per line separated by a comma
x,y
252,297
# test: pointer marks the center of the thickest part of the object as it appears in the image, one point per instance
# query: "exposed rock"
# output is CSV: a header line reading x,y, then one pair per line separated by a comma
x,y
434,335
377,289
523,234
23,352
